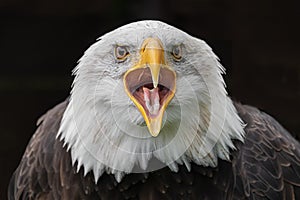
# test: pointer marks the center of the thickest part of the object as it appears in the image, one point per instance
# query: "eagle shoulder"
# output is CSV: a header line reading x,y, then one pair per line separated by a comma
x,y
39,171
267,164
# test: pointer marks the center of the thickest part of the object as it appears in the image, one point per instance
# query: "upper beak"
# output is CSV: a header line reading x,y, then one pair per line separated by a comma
x,y
151,84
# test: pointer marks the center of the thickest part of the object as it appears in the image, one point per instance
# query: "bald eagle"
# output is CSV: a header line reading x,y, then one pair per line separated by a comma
x,y
149,118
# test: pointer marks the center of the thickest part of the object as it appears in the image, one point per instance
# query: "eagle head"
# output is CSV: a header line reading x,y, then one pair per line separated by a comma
x,y
145,96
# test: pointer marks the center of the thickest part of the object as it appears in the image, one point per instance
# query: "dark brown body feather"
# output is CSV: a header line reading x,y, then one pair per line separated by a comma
x,y
266,166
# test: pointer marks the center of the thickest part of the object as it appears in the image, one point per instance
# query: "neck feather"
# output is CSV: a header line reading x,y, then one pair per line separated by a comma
x,y
106,133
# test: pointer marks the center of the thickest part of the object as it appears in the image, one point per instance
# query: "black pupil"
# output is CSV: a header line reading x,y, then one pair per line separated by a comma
x,y
176,52
121,52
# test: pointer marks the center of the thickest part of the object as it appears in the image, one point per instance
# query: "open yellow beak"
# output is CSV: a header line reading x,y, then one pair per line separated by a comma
x,y
151,84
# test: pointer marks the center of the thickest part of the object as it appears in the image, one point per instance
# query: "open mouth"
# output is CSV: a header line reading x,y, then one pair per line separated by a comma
x,y
140,86
151,84
151,98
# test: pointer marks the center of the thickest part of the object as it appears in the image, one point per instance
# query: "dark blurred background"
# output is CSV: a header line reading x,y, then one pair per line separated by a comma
x,y
40,42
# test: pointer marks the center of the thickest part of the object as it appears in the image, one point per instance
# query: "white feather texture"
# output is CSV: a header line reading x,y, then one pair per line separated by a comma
x,y
104,130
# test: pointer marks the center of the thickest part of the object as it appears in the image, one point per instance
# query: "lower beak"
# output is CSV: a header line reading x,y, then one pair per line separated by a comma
x,y
151,84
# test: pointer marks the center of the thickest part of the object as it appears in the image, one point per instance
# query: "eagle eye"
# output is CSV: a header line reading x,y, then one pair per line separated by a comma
x,y
121,52
177,52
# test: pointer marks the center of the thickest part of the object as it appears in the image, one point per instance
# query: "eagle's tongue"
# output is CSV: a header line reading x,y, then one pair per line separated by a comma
x,y
151,98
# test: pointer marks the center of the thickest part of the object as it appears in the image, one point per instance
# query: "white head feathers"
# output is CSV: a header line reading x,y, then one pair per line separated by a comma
x,y
104,130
